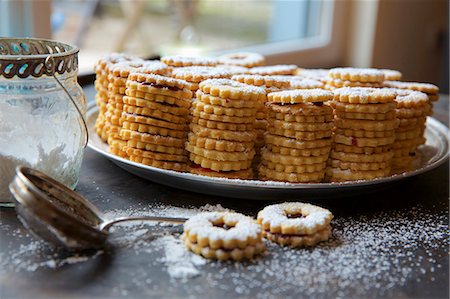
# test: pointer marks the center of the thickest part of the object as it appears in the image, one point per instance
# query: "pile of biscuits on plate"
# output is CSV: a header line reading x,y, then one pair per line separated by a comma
x,y
233,117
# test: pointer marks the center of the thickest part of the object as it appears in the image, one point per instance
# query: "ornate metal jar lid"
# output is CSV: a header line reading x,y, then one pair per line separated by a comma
x,y
24,57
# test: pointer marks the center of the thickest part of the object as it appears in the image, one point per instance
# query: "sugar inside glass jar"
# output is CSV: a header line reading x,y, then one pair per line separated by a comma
x,y
42,110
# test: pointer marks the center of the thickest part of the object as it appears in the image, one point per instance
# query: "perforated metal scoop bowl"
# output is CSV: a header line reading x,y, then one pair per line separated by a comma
x,y
59,215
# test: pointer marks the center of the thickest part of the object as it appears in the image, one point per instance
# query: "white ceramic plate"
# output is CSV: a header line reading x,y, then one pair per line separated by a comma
x,y
433,154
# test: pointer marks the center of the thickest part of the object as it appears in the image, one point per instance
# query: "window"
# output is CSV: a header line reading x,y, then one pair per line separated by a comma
x,y
160,27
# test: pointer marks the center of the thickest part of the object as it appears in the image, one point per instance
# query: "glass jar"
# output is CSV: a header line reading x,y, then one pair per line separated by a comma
x,y
42,111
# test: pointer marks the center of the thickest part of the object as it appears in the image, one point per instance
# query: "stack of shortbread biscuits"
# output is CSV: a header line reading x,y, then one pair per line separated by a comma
x,y
210,116
155,120
117,78
412,110
222,136
298,138
365,123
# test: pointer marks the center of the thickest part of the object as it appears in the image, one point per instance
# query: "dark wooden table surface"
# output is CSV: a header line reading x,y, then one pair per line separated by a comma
x,y
31,269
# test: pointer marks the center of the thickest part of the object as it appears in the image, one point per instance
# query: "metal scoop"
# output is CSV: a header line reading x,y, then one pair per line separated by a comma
x,y
61,216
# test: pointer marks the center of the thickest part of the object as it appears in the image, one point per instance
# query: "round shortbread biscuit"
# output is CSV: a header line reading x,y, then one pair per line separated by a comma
x,y
220,155
301,109
143,128
183,61
154,155
266,174
293,143
363,95
108,60
228,103
223,118
125,68
294,218
152,121
264,81
226,230
407,143
364,108
168,165
246,59
299,241
221,125
340,175
427,88
279,69
312,127
219,110
291,160
198,74
363,133
305,168
357,166
364,141
407,123
163,107
155,113
230,89
219,165
415,132
366,116
149,138
156,147
233,69
337,83
300,135
369,125
317,74
219,145
360,149
300,96
361,158
236,254
155,89
182,103
320,151
391,75
241,136
245,174
299,118
357,74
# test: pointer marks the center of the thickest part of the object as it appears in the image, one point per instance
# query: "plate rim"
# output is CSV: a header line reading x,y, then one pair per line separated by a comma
x,y
267,185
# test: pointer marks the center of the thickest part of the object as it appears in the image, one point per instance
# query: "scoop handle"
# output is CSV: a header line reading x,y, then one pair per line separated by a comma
x,y
105,226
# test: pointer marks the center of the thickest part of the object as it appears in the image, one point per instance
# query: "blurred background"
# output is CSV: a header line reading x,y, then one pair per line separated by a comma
x,y
407,35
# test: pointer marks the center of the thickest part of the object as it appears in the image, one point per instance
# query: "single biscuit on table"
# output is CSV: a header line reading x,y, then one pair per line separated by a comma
x,y
223,236
295,224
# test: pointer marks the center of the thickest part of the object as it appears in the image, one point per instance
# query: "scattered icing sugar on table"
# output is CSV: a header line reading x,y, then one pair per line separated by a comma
x,y
365,253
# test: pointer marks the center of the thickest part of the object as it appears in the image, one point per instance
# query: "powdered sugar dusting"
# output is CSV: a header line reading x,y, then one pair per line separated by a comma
x,y
367,255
